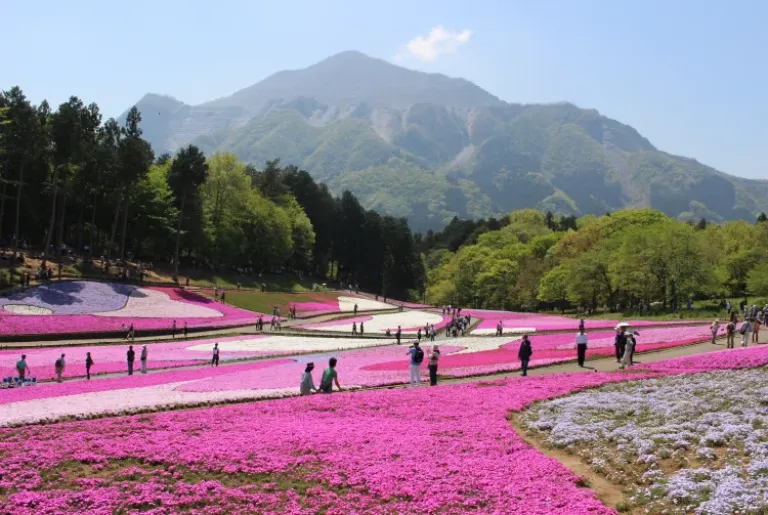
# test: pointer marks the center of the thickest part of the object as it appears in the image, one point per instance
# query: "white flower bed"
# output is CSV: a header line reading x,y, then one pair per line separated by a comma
x,y
347,304
684,444
27,309
144,303
291,344
380,323
123,401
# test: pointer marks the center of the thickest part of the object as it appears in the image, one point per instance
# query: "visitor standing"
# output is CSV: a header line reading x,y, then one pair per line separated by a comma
x,y
434,356
730,333
524,354
418,334
416,354
143,359
499,329
629,351
307,385
398,334
715,327
59,367
756,326
581,346
746,331
355,309
124,330
22,367
215,357
619,343
173,329
88,365
329,377
362,329
354,327
131,356
185,329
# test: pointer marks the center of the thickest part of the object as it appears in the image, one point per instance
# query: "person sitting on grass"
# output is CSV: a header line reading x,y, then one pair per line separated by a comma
x,y
329,377
307,383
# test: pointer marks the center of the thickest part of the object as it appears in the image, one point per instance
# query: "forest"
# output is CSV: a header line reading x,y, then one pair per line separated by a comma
x,y
626,259
74,184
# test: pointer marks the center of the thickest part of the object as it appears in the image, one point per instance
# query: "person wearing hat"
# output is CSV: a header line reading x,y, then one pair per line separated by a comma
x,y
715,327
307,385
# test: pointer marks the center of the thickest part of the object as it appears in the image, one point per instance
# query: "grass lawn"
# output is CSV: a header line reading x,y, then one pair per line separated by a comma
x,y
265,302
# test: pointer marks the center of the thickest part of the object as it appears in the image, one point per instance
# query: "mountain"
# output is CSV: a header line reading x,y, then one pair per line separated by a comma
x,y
430,147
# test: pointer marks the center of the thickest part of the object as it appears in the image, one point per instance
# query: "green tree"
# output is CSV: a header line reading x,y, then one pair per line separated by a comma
x,y
188,172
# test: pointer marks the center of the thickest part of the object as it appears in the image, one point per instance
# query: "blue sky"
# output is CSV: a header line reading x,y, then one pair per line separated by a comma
x,y
691,75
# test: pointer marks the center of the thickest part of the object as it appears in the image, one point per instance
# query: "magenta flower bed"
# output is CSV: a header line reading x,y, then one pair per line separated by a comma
x,y
539,322
11,324
448,450
731,359
112,358
129,383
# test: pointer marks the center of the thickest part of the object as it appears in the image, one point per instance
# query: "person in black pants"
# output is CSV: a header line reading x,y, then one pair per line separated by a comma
x,y
524,354
581,346
433,357
620,344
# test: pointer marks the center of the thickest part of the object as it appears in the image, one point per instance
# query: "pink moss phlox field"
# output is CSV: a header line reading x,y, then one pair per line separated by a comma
x,y
539,322
11,324
549,349
447,450
128,383
730,359
112,358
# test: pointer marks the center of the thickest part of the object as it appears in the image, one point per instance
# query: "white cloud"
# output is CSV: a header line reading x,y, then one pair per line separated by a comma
x,y
439,41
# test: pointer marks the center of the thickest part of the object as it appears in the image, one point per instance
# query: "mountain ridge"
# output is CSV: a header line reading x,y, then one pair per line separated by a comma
x,y
429,147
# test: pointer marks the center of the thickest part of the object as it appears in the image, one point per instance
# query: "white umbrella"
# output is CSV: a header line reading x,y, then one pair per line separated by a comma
x,y
622,325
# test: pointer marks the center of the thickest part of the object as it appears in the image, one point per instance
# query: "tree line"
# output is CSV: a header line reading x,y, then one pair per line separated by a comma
x,y
71,182
629,259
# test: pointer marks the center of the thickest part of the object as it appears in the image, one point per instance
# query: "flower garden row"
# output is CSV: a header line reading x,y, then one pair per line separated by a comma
x,y
447,450
79,307
364,367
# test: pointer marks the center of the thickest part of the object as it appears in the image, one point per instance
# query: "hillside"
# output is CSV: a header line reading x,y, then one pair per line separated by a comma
x,y
429,147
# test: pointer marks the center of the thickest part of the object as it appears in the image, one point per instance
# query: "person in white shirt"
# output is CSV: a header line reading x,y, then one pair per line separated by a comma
x,y
581,346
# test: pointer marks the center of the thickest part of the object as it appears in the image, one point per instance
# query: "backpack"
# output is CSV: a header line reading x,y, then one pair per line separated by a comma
x,y
743,328
418,356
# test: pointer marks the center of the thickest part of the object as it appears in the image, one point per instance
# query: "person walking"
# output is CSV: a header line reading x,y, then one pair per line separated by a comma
x,y
22,367
143,358
185,329
432,333
362,329
330,377
398,334
355,310
354,327
499,329
88,365
418,334
629,351
524,354
730,333
434,356
746,332
59,366
416,354
715,327
215,357
173,329
581,346
131,357
307,385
